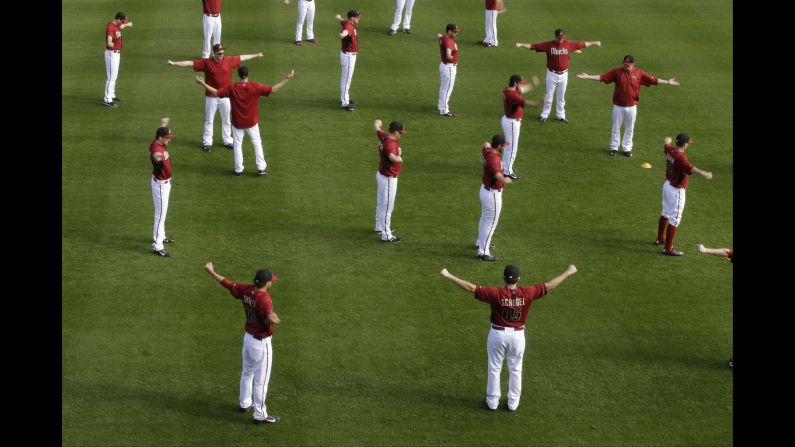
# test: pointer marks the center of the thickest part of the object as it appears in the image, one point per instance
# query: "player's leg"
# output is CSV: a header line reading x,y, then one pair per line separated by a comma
x,y
237,148
310,20
407,14
495,350
516,128
662,223
493,219
452,70
217,30
380,199
114,74
560,95
262,375
629,127
507,152
247,376
299,25
548,95
678,208
157,199
108,75
489,37
259,153
398,10
344,78
207,26
484,200
444,85
514,356
391,193
615,133
225,109
494,27
211,104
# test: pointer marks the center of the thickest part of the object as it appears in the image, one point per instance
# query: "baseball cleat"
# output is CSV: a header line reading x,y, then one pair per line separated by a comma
x,y
542,120
351,102
115,99
263,171
406,30
245,410
238,173
393,239
628,153
513,176
268,420
480,42
659,242
613,152
487,258
672,252
391,32
229,146
109,104
298,42
348,108
167,240
447,114
563,120
313,40
206,147
162,252
489,45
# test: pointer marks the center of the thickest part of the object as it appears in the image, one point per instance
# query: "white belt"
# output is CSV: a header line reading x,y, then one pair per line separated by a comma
x,y
506,328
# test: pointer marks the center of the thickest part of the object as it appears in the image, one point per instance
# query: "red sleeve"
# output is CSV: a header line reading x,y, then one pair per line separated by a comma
x,y
515,98
109,32
199,65
608,77
224,92
578,45
234,61
731,255
264,90
487,294
234,288
381,135
540,47
647,79
686,164
537,291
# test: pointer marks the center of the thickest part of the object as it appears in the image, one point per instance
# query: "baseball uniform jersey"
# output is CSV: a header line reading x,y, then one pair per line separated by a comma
x,y
678,167
730,256
557,78
386,181
513,105
678,170
244,97
557,53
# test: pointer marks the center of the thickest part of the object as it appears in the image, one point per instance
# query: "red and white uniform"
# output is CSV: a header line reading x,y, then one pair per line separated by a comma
x,y
217,75
557,73
506,342
257,347
678,170
348,52
491,22
211,19
625,99
490,200
112,59
447,72
409,4
244,98
161,190
513,103
386,179
306,13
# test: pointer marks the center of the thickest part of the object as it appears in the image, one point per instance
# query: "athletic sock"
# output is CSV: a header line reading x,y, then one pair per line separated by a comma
x,y
669,237
661,228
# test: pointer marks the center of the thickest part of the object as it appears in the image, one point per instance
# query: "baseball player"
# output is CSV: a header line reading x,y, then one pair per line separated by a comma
x,y
409,5
350,46
306,13
448,67
257,347
113,56
161,185
493,7
678,168
218,71
558,52
514,104
387,177
244,97
506,342
493,181
626,95
727,253
211,25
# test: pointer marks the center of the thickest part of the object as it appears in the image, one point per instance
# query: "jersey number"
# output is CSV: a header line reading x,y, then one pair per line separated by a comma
x,y
511,314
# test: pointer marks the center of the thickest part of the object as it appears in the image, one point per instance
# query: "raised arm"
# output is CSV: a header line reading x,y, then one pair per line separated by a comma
x,y
245,57
181,63
560,278
589,77
209,268
377,124
164,121
598,43
524,88
722,252
284,81
339,19
125,25
201,82
466,285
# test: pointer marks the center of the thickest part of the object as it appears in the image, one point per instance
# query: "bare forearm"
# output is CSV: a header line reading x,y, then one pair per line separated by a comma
x,y
279,85
466,285
598,43
273,318
706,174
246,57
560,278
218,278
181,63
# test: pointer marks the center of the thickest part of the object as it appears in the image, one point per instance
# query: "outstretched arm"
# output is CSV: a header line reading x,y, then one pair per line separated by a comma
x,y
201,82
181,63
722,252
339,18
245,57
589,77
671,81
209,268
466,285
284,81
598,43
706,174
560,278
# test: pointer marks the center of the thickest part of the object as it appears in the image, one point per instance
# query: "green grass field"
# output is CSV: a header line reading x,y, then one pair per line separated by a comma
x,y
375,347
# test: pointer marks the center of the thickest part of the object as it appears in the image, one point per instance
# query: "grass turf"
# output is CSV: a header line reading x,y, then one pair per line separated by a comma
x,y
376,348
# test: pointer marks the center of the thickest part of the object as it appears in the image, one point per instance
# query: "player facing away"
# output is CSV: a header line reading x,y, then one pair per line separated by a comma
x,y
448,68
387,177
306,13
513,105
161,185
113,56
244,97
349,41
257,347
626,95
491,186
506,342
727,253
677,172
558,52
409,5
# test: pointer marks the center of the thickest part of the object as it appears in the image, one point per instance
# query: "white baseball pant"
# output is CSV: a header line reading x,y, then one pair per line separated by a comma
x,y
161,189
556,86
409,4
625,115
673,203
510,128
257,363
505,345
491,205
306,12
447,74
237,145
348,62
385,203
224,107
491,28
212,32
112,59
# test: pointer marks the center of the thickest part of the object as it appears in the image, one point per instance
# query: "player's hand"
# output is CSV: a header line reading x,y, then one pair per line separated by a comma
x,y
260,55
438,35
673,81
199,80
378,123
208,267
583,76
598,43
338,17
486,145
536,81
164,121
700,248
708,175
444,273
286,2
291,74
129,24
571,270
519,45
170,62
668,140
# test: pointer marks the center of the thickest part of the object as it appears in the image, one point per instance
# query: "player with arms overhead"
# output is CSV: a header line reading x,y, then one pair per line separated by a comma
x,y
387,177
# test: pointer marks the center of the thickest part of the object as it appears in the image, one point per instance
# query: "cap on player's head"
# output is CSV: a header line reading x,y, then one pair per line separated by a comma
x,y
164,132
263,276
452,27
498,140
683,139
516,79
629,60
511,274
242,71
354,13
218,47
396,126
121,16
559,33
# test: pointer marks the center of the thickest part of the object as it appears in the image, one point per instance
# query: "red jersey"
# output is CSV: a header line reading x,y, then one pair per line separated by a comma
x,y
731,255
256,304
492,164
244,97
557,54
217,74
162,169
678,167
445,43
212,6
514,103
627,92
388,146
509,307
350,43
114,31
491,5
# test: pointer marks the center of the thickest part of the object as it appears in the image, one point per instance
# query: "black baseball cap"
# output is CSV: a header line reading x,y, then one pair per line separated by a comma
x,y
683,139
453,27
498,140
559,32
511,272
242,71
264,275
628,59
217,47
396,126
353,13
517,78
164,132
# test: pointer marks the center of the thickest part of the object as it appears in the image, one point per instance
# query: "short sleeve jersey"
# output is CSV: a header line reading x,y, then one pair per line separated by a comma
x,y
445,43
492,164
212,6
217,74
678,167
161,169
257,305
244,97
509,307
627,92
558,54
350,43
114,31
513,102
491,5
388,146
